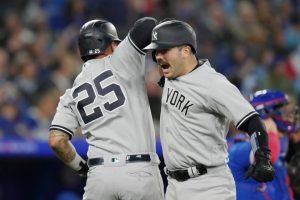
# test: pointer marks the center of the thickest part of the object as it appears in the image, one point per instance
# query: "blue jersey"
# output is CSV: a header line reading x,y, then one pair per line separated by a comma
x,y
281,183
239,162
284,145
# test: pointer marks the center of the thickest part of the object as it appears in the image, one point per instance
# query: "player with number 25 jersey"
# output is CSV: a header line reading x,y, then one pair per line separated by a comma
x,y
108,101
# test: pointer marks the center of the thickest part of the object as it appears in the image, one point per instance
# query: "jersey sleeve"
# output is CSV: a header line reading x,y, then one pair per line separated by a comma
x,y
227,100
65,119
128,60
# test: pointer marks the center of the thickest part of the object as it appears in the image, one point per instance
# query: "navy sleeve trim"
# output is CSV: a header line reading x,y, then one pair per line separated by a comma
x,y
62,129
132,43
245,118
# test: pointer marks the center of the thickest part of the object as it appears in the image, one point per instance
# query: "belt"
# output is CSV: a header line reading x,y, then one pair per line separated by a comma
x,y
184,174
128,159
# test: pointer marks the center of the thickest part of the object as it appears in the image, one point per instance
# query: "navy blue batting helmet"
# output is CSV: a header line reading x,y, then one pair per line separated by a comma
x,y
171,33
95,36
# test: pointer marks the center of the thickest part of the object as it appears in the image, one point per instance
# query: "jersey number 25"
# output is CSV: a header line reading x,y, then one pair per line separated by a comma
x,y
91,96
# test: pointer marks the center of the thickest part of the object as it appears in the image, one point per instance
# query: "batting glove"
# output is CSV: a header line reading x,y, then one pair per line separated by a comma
x,y
83,170
261,170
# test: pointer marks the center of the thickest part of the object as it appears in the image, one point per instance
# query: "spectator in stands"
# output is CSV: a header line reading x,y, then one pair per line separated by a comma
x,y
14,121
43,112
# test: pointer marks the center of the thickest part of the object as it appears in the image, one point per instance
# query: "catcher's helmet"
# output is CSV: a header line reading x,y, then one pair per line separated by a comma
x,y
268,103
95,36
172,33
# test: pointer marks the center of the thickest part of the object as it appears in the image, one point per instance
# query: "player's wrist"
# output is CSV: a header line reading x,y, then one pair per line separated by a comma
x,y
84,169
77,162
259,143
263,153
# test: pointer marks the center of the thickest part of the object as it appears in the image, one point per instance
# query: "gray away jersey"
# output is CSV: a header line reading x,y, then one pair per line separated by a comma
x,y
197,109
109,102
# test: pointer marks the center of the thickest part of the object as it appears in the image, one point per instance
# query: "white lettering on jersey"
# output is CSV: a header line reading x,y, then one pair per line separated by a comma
x,y
176,99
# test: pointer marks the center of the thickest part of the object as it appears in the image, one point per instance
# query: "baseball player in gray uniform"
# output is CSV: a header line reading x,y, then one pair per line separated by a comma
x,y
198,105
108,101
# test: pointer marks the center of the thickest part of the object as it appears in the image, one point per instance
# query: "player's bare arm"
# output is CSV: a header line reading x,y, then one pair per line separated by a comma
x,y
65,151
61,145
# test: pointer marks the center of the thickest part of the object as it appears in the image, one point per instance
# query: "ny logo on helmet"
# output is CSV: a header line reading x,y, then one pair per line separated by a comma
x,y
154,35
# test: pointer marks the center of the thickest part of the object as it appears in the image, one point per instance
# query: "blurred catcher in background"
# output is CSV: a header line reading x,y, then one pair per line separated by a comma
x,y
278,106
281,119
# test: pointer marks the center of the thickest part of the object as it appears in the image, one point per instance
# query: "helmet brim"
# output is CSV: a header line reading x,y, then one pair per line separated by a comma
x,y
156,46
151,46
117,40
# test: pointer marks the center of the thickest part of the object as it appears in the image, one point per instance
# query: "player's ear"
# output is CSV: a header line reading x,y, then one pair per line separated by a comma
x,y
114,45
111,48
186,50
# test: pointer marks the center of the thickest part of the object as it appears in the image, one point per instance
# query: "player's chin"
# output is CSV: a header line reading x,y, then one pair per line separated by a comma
x,y
168,75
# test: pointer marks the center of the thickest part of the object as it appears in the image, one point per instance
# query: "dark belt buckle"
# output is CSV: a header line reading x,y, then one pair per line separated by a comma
x,y
179,175
182,178
183,174
201,169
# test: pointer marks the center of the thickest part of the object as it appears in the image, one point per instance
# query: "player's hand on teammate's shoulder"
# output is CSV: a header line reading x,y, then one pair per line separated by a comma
x,y
261,170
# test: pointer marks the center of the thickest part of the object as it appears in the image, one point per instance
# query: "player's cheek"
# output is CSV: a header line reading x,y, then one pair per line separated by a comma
x,y
160,71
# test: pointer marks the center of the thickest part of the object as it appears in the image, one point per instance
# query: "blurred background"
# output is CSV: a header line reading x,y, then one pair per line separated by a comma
x,y
254,43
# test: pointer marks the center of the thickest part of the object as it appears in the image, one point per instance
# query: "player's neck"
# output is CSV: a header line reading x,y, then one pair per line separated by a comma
x,y
102,55
191,65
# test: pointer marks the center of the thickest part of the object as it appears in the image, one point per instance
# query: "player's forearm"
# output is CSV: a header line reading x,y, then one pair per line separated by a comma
x,y
66,152
61,146
257,131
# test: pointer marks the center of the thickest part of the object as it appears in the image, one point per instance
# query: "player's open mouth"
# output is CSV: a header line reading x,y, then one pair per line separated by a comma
x,y
164,65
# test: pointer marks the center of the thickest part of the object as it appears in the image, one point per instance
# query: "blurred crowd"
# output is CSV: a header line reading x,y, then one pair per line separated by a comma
x,y
255,44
